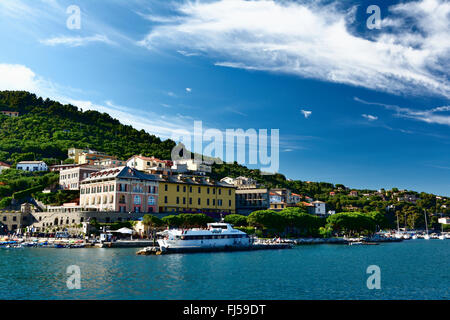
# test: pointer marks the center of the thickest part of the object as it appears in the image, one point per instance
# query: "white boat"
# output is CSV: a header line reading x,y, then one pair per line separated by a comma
x,y
216,236
441,237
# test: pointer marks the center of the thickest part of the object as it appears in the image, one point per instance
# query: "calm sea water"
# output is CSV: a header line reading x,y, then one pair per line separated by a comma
x,y
415,269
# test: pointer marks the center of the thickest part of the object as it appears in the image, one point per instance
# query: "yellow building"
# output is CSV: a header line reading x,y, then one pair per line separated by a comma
x,y
91,158
179,194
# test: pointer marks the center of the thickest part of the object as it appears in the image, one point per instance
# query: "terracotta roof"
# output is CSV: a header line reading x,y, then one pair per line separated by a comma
x,y
5,164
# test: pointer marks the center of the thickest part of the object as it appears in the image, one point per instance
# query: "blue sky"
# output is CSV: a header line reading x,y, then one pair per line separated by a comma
x,y
368,108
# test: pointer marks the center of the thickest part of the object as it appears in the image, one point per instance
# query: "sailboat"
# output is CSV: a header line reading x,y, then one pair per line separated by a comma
x,y
427,236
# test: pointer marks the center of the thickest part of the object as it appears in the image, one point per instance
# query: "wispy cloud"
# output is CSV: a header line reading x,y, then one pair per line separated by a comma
x,y
435,115
306,113
313,40
188,89
20,77
77,41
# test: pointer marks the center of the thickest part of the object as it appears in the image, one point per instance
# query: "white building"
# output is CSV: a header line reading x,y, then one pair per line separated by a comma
x,y
32,166
241,182
319,207
147,164
193,165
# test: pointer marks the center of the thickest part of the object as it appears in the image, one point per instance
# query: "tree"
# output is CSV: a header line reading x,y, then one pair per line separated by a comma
x,y
236,220
151,222
266,219
351,223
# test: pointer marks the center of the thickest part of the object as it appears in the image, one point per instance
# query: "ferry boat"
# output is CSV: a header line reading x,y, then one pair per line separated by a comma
x,y
217,236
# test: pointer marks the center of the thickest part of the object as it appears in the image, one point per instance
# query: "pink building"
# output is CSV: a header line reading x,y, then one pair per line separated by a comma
x,y
121,189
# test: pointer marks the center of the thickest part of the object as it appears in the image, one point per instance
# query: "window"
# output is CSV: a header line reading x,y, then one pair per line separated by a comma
x,y
151,200
178,200
165,187
199,201
165,199
229,203
122,199
184,188
199,190
214,190
207,202
178,188
190,189
190,200
229,192
220,191
184,200
207,190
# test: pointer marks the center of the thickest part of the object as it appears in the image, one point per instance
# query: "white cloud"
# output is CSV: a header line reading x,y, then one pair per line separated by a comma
x,y
435,115
313,40
370,117
306,113
19,77
77,41
188,90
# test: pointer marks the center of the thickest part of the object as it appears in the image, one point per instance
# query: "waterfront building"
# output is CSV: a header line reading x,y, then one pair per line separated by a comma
x,y
4,166
16,220
121,189
32,166
69,179
249,200
10,113
195,194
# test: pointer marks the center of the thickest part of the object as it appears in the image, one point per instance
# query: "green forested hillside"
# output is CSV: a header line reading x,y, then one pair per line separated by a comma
x,y
46,129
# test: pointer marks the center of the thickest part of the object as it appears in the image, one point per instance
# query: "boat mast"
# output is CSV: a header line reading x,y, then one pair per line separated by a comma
x,y
426,223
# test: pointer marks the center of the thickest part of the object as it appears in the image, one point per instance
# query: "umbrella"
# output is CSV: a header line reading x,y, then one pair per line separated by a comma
x,y
124,231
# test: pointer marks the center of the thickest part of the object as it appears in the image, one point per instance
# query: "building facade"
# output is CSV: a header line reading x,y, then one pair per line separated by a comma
x,y
249,200
32,166
91,158
69,179
121,189
191,165
181,193
148,164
